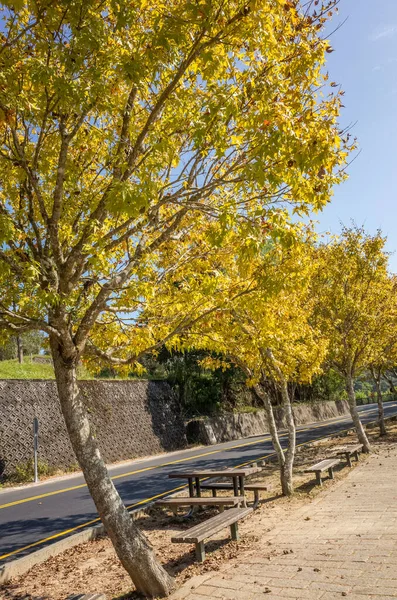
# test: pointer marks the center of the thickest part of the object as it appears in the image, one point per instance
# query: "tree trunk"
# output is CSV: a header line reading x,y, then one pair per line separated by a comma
x,y
287,477
362,437
381,412
19,349
132,548
285,469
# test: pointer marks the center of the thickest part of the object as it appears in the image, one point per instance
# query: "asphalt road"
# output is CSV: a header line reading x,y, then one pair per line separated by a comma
x,y
35,516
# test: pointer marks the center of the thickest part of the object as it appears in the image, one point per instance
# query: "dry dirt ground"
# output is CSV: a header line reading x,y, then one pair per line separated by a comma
x,y
94,567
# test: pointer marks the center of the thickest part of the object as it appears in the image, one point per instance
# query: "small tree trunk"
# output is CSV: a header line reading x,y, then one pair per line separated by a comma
x,y
132,548
381,413
19,349
362,437
287,476
285,469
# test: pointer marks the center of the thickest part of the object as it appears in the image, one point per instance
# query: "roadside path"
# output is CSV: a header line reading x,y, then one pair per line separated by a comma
x,y
344,544
34,517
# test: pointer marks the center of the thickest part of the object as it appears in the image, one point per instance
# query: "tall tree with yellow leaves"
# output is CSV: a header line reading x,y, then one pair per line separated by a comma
x,y
351,290
384,347
133,135
267,332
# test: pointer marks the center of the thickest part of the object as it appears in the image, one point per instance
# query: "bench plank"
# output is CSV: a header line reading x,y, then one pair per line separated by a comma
x,y
187,501
348,448
244,472
323,465
212,526
251,487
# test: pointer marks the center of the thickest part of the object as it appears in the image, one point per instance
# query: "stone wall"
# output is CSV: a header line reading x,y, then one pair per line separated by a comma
x,y
130,419
234,426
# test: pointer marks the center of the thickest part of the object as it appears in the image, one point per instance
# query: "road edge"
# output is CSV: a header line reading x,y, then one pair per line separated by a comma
x,y
20,566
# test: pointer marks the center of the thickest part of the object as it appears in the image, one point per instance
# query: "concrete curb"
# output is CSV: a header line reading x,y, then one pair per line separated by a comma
x,y
20,566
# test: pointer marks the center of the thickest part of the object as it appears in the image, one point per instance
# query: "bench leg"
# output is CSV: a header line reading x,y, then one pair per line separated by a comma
x,y
213,492
349,460
234,532
200,551
235,486
356,456
256,499
331,473
221,508
318,478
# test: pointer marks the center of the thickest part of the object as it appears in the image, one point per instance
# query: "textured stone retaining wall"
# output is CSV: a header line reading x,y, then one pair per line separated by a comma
x,y
234,426
130,418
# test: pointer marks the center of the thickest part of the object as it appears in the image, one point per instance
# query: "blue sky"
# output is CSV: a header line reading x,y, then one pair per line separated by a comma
x,y
365,64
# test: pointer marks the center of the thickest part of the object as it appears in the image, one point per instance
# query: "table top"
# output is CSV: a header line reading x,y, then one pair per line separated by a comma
x,y
347,448
242,472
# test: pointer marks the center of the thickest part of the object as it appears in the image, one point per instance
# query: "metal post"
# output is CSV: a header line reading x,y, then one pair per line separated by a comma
x,y
35,447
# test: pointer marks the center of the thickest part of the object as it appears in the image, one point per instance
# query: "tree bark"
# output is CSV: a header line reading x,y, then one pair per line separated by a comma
x,y
381,413
362,437
286,476
284,460
132,548
19,349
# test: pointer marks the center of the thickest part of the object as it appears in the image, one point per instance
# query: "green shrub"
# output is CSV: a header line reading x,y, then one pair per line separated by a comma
x,y
24,472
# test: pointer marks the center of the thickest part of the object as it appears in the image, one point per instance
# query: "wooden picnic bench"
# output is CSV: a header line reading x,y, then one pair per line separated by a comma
x,y
325,465
199,533
175,503
249,487
236,475
349,451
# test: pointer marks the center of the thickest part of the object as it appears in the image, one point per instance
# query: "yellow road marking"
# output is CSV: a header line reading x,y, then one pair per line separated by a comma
x,y
167,464
82,525
147,500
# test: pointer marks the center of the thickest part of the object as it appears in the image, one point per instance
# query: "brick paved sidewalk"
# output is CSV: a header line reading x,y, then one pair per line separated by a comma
x,y
344,544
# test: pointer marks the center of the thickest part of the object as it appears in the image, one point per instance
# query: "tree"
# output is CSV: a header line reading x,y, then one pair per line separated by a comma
x,y
384,347
350,287
30,342
201,391
133,136
390,376
33,342
268,334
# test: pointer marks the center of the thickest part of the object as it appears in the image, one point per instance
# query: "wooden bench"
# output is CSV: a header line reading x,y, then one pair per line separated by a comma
x,y
348,452
199,533
175,503
325,465
250,487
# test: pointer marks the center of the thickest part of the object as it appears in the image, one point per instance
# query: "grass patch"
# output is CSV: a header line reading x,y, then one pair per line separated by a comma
x,y
247,409
24,472
12,369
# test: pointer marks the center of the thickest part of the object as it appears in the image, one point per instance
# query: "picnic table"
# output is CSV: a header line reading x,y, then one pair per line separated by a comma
x,y
236,475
